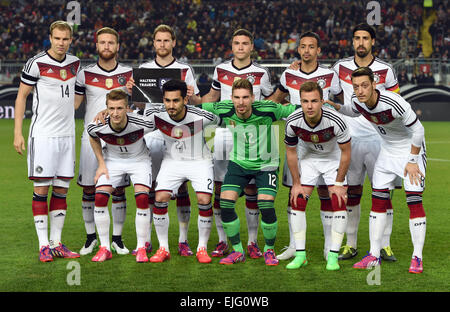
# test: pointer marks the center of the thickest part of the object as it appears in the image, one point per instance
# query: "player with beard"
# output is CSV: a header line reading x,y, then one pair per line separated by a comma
x,y
365,142
164,41
93,83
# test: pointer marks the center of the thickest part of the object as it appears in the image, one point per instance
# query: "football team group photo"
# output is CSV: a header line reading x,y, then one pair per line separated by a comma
x,y
225,146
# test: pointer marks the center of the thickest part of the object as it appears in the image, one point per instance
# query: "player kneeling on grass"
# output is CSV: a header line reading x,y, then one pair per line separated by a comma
x,y
125,152
402,155
327,151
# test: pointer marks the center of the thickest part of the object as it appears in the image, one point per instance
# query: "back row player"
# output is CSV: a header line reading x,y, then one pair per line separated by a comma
x,y
365,142
51,143
240,66
164,41
290,82
93,83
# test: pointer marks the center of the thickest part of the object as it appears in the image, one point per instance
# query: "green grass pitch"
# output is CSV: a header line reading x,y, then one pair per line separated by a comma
x,y
21,270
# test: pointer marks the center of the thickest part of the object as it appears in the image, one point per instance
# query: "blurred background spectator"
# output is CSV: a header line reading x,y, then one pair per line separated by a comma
x,y
204,27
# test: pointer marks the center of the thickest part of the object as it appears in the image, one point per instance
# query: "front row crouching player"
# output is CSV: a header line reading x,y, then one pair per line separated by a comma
x,y
254,155
125,153
186,158
321,131
402,155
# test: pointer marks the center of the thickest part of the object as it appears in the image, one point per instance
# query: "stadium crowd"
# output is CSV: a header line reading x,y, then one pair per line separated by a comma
x,y
204,27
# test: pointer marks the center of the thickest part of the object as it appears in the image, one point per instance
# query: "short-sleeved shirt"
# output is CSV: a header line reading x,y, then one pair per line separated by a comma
x,y
184,139
255,140
95,82
54,94
187,72
321,140
385,78
226,73
392,117
127,143
291,81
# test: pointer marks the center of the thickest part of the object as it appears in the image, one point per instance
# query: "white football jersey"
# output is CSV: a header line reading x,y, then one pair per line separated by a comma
x,y
291,80
95,82
384,77
320,141
392,118
226,73
126,144
185,139
54,94
187,72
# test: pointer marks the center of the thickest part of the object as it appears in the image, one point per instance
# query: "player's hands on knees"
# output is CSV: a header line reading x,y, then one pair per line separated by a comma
x,y
19,144
340,192
100,117
295,65
415,175
296,190
129,85
101,170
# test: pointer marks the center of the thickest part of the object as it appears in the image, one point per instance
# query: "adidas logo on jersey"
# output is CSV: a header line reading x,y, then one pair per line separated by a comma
x,y
95,79
50,71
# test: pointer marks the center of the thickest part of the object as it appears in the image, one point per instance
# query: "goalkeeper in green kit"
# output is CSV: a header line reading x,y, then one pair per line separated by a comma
x,y
255,155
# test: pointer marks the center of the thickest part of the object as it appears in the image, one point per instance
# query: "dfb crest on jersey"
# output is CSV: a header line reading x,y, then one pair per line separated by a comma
x,y
177,132
109,83
162,81
251,78
322,83
314,138
120,141
374,119
122,80
376,78
63,74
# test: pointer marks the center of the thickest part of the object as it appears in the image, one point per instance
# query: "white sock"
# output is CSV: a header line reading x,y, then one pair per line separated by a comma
x,y
418,227
377,224
354,215
291,234
327,220
219,227
102,222
386,240
119,213
149,233
142,226
161,223
41,224
184,215
88,216
298,223
252,216
57,218
204,230
338,227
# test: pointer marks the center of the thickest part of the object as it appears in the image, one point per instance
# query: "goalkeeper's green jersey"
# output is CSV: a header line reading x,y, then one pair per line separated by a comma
x,y
255,139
